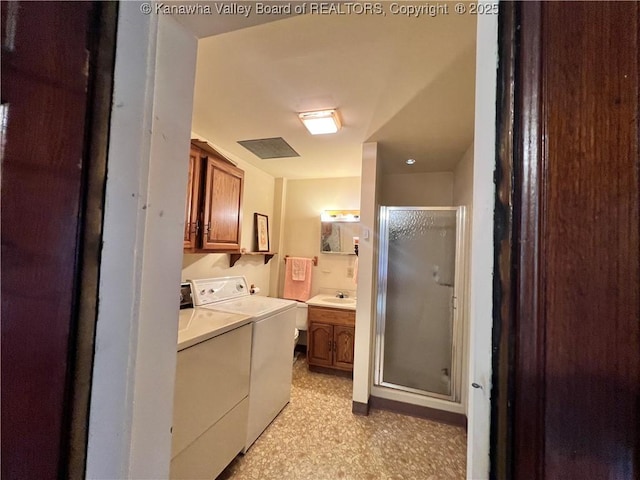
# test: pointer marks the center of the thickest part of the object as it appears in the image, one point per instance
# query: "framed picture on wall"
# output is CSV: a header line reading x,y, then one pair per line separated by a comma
x,y
261,227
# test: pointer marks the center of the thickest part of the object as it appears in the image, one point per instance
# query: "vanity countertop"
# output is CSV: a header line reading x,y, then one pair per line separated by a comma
x,y
196,325
331,301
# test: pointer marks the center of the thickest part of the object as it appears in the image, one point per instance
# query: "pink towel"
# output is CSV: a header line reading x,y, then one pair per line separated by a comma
x,y
355,270
298,268
297,289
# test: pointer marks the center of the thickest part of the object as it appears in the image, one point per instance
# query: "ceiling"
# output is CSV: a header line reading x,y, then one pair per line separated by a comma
x,y
405,82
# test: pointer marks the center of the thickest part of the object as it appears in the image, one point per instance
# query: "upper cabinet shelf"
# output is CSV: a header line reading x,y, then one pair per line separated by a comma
x,y
234,257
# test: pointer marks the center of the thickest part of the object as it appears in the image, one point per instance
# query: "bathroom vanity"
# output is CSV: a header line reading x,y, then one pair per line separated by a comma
x,y
331,334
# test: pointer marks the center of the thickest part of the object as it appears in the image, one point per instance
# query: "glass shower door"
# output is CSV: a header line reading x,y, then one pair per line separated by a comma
x,y
417,328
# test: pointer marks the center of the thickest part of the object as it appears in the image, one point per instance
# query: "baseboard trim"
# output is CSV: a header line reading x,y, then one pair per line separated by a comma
x,y
360,408
331,371
419,411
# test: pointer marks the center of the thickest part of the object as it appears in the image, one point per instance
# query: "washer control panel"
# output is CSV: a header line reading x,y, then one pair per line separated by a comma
x,y
213,290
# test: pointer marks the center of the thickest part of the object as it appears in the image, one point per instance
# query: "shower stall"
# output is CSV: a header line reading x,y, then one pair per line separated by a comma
x,y
419,315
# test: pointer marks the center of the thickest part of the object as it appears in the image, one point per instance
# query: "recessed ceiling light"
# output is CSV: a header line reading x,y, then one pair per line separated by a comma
x,y
410,161
321,122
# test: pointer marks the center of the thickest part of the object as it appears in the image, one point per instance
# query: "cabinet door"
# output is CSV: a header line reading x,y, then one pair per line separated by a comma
x,y
320,338
343,338
191,220
223,206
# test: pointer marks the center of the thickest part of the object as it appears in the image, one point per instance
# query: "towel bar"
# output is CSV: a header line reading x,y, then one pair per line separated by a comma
x,y
315,260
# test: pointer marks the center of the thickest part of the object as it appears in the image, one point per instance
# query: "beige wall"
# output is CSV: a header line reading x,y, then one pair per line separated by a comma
x,y
417,189
277,235
197,265
463,180
305,201
258,197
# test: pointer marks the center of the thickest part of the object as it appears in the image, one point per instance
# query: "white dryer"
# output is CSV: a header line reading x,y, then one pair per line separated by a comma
x,y
272,343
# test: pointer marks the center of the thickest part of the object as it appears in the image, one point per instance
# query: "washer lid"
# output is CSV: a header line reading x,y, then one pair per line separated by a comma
x,y
255,306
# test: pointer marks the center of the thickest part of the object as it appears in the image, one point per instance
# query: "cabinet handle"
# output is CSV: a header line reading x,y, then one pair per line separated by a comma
x,y
207,228
197,227
330,346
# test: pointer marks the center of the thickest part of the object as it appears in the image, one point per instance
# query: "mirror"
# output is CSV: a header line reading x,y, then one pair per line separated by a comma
x,y
339,231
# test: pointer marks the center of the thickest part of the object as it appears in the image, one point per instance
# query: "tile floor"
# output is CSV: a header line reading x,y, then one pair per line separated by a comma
x,y
316,437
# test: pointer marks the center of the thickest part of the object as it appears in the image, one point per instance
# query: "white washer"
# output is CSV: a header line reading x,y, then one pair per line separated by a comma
x,y
271,346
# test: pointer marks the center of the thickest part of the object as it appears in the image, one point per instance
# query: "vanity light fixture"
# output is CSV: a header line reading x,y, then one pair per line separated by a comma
x,y
410,161
321,122
340,216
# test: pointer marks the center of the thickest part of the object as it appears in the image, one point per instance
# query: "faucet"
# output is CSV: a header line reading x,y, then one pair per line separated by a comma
x,y
341,295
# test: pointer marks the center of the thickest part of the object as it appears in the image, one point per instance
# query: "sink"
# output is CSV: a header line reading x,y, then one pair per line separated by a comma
x,y
343,301
325,300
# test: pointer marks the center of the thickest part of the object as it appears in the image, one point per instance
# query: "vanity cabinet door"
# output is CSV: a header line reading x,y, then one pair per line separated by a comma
x,y
331,338
343,338
320,339
222,206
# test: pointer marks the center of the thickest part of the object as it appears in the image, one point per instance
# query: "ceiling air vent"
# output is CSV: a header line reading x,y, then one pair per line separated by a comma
x,y
266,148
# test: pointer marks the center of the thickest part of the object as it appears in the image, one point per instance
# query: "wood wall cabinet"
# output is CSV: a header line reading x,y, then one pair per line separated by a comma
x,y
192,204
213,209
331,335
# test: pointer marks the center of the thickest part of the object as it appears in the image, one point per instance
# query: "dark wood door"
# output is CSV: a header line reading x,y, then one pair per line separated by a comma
x,y
343,342
47,93
223,206
320,338
576,244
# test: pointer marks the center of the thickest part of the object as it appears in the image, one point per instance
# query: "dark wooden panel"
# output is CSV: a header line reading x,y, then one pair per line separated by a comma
x,y
360,408
102,56
44,80
503,291
332,316
528,408
591,241
222,206
419,411
577,368
343,346
319,350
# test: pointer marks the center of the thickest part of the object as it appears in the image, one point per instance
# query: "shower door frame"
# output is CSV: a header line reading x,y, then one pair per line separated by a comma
x,y
458,302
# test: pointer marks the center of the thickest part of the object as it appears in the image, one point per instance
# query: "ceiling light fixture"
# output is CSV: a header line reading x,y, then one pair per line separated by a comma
x,y
410,161
321,122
